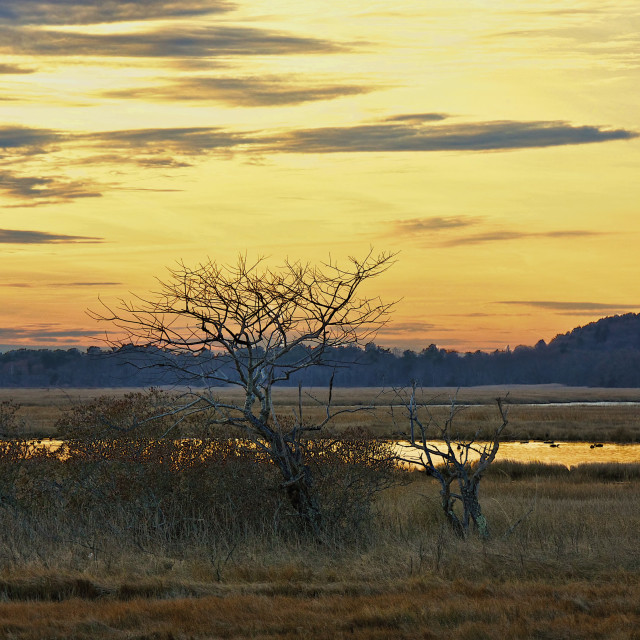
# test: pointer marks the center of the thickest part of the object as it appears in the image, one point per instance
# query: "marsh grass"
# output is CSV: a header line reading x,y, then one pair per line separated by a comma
x,y
562,562
569,570
529,417
191,539
415,609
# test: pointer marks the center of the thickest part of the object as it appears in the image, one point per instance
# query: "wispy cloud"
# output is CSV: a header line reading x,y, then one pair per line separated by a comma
x,y
418,226
27,140
453,231
409,326
417,118
242,91
167,148
557,305
72,12
43,284
42,332
506,235
17,236
35,191
181,41
13,69
474,136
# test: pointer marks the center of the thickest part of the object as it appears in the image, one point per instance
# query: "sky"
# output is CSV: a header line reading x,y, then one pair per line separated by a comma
x,y
494,145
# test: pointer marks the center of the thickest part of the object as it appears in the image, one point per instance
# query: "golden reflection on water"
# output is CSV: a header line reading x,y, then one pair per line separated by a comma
x,y
566,453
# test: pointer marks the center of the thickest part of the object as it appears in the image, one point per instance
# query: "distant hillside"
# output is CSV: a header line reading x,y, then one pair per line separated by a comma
x,y
605,353
606,334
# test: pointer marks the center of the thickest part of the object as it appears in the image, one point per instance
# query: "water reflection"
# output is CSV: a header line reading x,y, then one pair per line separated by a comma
x,y
566,453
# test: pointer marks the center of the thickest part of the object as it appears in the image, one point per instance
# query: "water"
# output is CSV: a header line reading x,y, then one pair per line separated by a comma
x,y
566,453
598,403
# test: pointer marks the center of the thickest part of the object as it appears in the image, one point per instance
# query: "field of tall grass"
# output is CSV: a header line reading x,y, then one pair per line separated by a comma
x,y
129,542
165,539
530,417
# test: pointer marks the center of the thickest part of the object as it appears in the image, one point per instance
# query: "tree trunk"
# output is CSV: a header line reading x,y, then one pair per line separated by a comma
x,y
447,505
298,484
471,506
471,511
302,496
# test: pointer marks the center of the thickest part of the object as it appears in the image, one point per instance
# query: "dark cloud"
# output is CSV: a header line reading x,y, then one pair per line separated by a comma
x,y
17,236
59,12
242,92
481,136
167,148
417,118
27,140
150,161
170,148
8,69
416,226
177,42
556,305
45,190
43,331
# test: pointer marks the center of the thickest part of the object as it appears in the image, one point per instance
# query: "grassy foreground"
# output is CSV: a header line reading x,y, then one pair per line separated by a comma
x,y
562,563
418,608
172,540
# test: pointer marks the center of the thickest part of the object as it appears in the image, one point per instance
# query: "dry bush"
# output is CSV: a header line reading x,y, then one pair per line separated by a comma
x,y
153,413
134,414
350,472
167,497
11,425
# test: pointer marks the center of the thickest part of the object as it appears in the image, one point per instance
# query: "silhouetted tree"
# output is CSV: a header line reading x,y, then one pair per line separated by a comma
x,y
253,326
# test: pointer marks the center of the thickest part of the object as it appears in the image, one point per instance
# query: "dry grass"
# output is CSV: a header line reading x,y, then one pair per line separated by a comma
x,y
122,550
569,569
42,407
413,609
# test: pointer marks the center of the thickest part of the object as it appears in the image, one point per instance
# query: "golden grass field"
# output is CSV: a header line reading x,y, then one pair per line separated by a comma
x,y
570,570
562,562
529,417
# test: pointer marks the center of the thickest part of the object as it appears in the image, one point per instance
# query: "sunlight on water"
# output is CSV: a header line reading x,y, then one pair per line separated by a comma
x,y
566,453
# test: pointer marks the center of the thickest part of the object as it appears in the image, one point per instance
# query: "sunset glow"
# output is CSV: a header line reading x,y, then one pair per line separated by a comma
x,y
495,146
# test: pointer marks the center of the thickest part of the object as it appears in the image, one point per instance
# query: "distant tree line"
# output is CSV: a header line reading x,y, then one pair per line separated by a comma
x,y
605,353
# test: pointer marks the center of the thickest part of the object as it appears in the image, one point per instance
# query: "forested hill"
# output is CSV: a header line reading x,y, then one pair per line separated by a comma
x,y
605,353
607,334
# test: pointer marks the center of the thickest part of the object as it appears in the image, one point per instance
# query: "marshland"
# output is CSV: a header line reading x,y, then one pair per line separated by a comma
x,y
191,538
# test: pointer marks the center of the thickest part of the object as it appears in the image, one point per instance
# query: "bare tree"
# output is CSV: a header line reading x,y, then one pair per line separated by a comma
x,y
252,326
457,463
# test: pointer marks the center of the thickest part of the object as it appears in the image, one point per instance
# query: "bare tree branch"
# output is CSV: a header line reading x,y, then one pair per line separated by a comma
x,y
253,326
452,461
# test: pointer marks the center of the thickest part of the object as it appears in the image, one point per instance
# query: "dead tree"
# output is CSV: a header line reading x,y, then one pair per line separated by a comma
x,y
252,326
457,463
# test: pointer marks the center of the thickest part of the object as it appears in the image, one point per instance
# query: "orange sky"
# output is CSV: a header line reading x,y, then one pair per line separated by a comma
x,y
494,145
